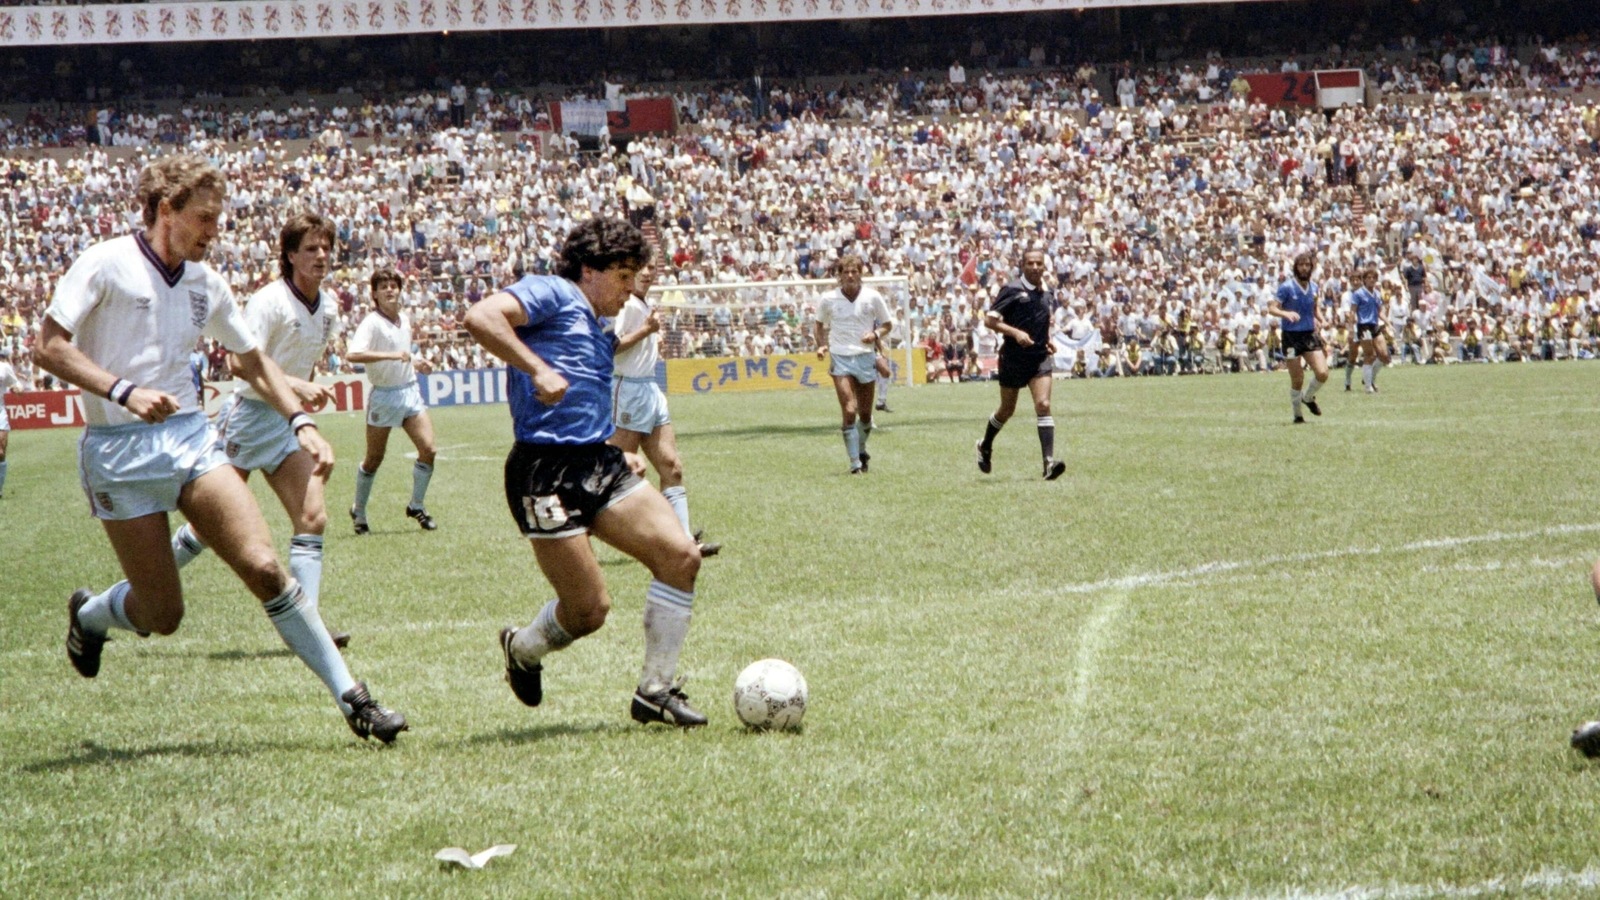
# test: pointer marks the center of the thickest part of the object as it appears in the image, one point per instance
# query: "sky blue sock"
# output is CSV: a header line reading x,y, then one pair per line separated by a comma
x,y
302,630
679,498
363,490
421,474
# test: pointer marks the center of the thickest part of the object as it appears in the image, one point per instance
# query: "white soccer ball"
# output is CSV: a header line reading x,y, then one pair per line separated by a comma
x,y
770,693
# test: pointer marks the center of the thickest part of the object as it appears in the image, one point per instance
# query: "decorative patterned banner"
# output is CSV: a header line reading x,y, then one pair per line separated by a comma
x,y
22,26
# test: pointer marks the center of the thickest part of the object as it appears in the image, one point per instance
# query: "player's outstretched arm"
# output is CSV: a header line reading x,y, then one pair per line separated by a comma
x,y
493,322
55,353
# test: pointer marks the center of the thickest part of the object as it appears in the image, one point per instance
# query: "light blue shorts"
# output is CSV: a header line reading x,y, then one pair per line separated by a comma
x,y
137,469
860,366
637,404
253,435
390,407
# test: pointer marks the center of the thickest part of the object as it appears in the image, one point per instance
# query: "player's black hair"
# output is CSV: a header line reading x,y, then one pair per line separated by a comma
x,y
600,244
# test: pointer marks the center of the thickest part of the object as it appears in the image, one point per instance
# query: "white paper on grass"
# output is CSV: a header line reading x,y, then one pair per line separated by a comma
x,y
473,860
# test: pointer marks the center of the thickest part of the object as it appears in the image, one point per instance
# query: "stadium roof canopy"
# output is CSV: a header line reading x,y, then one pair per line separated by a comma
x,y
248,20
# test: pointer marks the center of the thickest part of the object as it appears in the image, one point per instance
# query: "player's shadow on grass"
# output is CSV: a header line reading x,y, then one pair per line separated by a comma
x,y
516,736
830,427
249,655
92,754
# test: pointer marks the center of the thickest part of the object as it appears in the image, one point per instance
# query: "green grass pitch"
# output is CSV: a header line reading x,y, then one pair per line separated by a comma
x,y
1223,656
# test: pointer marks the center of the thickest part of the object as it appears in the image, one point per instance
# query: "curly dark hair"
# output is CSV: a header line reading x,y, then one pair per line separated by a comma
x,y
600,244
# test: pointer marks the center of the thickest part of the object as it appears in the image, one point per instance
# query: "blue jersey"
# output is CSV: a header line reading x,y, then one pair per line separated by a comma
x,y
1297,299
1367,304
563,329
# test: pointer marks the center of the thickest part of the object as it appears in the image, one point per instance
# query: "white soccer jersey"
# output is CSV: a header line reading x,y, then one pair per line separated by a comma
x,y
638,361
8,377
378,334
293,334
139,321
847,321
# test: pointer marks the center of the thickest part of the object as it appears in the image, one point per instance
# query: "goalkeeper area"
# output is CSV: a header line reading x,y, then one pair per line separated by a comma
x,y
761,318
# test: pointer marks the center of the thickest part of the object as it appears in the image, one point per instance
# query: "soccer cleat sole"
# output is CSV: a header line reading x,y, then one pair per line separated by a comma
x,y
83,648
1312,405
984,463
341,639
1586,739
527,684
359,523
1054,469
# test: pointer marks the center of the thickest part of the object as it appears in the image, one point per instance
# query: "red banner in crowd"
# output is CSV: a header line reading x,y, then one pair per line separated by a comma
x,y
648,115
1283,88
64,409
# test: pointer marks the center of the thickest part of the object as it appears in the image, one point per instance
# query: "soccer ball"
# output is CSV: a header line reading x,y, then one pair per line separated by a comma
x,y
770,693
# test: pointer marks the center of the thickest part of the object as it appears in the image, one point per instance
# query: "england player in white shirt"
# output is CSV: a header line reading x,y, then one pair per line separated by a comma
x,y
851,320
8,380
382,343
294,321
121,326
639,408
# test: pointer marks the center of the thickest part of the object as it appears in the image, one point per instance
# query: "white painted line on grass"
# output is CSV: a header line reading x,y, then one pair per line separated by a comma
x,y
1541,881
1148,579
1094,637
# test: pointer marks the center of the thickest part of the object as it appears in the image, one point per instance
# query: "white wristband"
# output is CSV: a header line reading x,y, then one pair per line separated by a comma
x,y
301,420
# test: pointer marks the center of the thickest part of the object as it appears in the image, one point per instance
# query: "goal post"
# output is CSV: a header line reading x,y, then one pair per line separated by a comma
x,y
718,323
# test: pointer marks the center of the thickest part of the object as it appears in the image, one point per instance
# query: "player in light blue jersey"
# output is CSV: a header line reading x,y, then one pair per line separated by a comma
x,y
1368,305
564,482
1296,305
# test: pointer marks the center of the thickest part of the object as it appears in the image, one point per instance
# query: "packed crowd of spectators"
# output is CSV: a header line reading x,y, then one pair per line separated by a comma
x,y
1167,221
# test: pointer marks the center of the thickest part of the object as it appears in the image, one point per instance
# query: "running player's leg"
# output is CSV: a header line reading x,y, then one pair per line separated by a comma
x,y
844,391
643,526
865,392
367,472
225,515
1040,387
420,429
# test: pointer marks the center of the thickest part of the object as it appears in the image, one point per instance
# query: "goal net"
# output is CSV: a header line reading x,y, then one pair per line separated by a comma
x,y
762,318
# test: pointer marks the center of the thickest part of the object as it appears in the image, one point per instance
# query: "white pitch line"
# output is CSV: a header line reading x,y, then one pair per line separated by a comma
x,y
1147,579
1543,880
1096,634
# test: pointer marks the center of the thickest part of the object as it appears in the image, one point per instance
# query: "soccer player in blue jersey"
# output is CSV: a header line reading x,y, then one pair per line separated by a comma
x,y
1296,305
564,482
1021,314
1368,303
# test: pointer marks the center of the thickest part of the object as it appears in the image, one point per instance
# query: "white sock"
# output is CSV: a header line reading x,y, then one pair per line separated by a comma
x,y
104,611
666,623
544,635
1311,389
1366,375
1294,400
186,545
678,497
302,630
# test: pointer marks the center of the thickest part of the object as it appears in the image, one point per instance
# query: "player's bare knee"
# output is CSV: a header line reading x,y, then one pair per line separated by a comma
x,y
162,619
678,566
261,572
425,456
671,471
371,463
313,521
589,618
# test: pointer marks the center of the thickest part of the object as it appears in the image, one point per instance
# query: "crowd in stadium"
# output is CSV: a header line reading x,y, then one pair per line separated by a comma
x,y
1169,201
